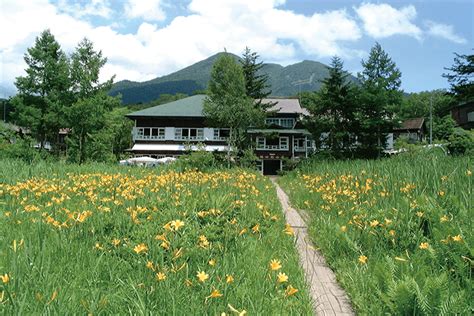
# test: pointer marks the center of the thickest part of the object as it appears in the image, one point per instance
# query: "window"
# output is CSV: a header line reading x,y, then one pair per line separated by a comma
x,y
157,133
283,142
274,141
261,142
278,143
299,144
283,122
287,122
470,117
178,133
150,133
221,133
272,121
188,133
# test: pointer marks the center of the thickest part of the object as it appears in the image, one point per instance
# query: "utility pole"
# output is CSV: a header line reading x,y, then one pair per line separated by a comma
x,y
431,119
4,111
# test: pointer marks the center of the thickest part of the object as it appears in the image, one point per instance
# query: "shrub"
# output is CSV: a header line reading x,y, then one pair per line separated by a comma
x,y
198,160
248,159
461,142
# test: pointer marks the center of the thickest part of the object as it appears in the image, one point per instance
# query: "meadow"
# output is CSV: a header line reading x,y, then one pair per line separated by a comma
x,y
99,239
397,232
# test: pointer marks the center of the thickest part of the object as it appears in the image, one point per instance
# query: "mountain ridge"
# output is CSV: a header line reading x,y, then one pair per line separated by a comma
x,y
287,80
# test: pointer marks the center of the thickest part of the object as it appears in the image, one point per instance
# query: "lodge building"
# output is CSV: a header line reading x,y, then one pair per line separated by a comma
x,y
171,129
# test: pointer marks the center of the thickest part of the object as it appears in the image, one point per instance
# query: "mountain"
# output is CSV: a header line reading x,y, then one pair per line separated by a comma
x,y
186,80
284,81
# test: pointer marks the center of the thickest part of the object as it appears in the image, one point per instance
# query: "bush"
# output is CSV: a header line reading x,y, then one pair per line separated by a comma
x,y
290,164
248,159
198,160
461,142
404,143
14,146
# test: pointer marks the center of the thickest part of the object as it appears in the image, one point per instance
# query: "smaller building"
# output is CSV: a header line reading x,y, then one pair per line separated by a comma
x,y
414,130
463,114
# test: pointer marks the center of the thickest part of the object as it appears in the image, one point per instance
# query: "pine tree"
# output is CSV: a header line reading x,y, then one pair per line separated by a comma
x,y
379,94
87,115
461,77
333,111
227,104
86,64
256,82
43,93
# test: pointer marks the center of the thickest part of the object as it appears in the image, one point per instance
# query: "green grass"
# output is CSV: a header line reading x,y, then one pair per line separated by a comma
x,y
410,217
69,237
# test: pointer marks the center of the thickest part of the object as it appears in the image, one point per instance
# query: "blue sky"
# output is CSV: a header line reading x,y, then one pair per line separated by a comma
x,y
144,39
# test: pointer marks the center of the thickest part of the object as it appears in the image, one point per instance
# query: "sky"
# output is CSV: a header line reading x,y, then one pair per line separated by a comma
x,y
144,39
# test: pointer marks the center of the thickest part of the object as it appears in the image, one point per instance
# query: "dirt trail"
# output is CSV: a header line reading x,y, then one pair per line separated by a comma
x,y
328,297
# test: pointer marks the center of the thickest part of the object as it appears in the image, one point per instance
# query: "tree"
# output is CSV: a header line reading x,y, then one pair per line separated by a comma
x,y
256,85
443,127
227,104
87,119
87,115
44,92
107,144
418,105
333,111
379,94
461,77
86,64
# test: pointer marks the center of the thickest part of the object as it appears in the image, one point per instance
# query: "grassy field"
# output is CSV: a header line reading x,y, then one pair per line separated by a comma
x,y
108,240
397,232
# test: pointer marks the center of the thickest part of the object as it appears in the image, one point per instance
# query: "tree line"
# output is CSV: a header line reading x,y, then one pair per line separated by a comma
x,y
344,117
347,119
65,93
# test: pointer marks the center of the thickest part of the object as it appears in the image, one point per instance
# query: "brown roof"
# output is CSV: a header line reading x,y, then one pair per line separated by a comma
x,y
286,106
414,123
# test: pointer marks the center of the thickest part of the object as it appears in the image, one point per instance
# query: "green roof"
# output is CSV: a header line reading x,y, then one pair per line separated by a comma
x,y
187,107
192,107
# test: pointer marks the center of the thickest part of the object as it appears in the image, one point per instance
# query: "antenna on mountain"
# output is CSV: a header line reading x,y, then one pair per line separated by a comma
x,y
301,82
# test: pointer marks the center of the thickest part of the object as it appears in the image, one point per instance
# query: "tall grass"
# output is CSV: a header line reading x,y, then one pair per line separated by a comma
x,y
397,232
100,239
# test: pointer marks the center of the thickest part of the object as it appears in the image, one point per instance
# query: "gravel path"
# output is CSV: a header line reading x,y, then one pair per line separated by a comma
x,y
328,297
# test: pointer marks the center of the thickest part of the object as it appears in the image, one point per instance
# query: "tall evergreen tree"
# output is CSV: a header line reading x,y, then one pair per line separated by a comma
x,y
87,116
380,93
256,82
227,104
333,111
86,64
461,77
44,92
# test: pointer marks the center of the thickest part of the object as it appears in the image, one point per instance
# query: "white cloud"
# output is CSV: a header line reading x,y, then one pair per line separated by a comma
x,y
91,8
149,10
444,31
383,20
276,34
